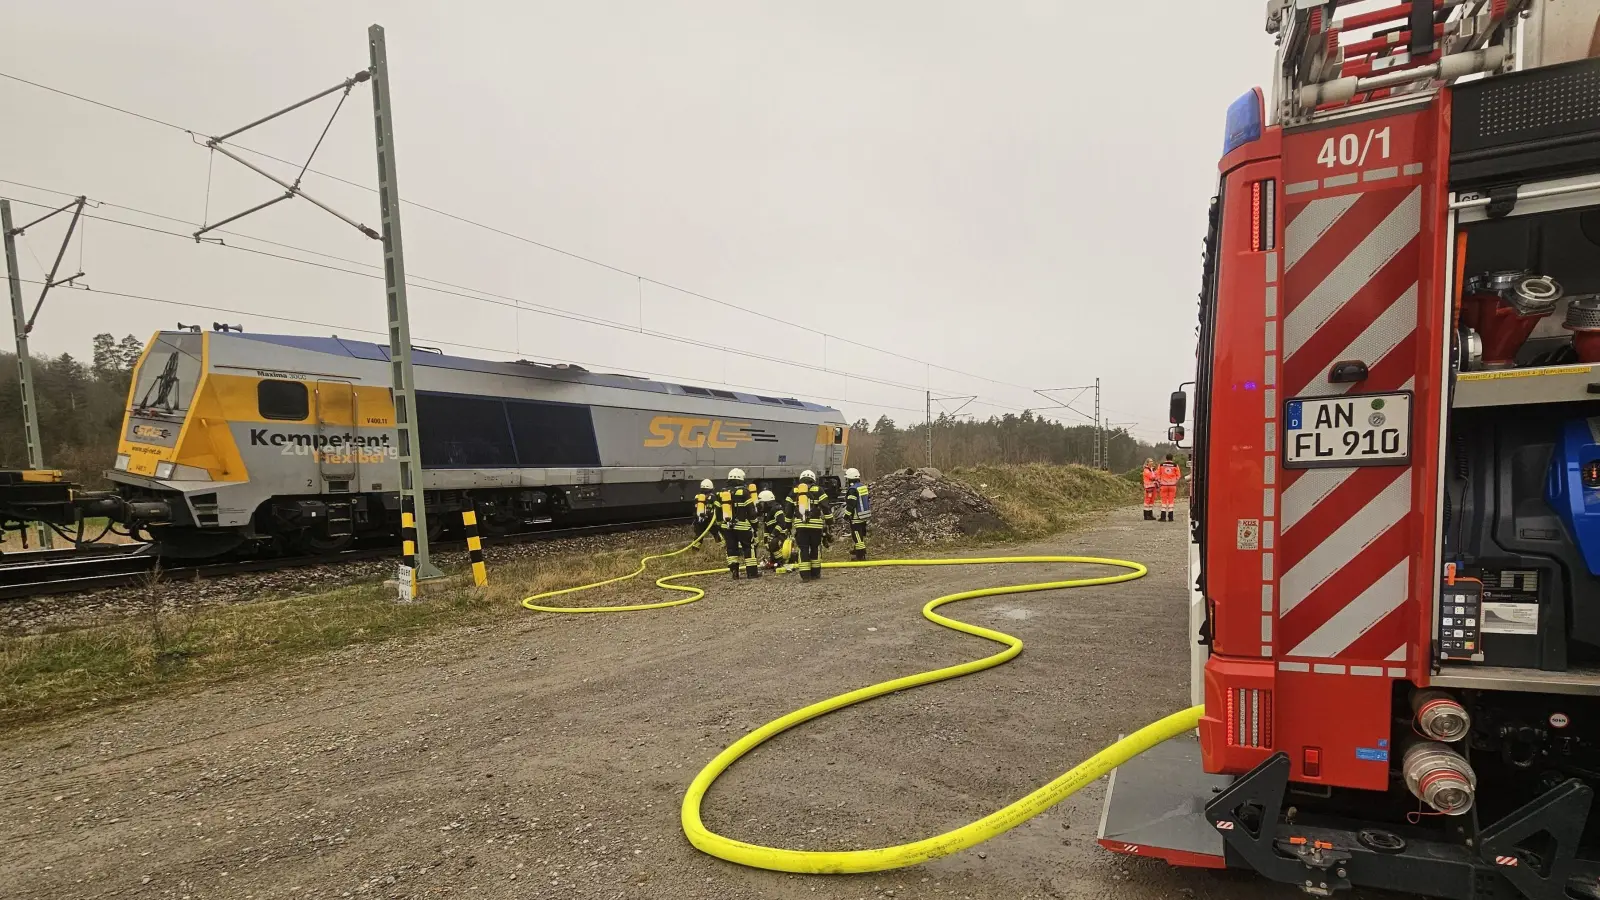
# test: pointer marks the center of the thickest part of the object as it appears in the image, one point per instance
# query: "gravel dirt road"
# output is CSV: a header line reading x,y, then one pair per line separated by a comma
x,y
546,757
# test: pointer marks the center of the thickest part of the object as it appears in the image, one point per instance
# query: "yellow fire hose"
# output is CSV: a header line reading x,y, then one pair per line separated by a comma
x,y
909,854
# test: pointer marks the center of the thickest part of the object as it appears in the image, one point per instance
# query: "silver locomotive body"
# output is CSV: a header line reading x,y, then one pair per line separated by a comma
x,y
290,441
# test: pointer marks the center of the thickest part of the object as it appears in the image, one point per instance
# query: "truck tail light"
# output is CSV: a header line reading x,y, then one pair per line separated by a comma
x,y
1263,218
1250,718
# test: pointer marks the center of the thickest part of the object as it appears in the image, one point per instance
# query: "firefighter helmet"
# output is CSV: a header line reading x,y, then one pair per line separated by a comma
x,y
706,485
766,497
808,475
853,474
735,474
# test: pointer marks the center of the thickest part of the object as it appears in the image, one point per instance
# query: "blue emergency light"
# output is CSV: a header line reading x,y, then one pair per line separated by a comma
x,y
1245,116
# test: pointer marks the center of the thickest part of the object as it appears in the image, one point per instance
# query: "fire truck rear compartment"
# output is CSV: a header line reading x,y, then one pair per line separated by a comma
x,y
1521,506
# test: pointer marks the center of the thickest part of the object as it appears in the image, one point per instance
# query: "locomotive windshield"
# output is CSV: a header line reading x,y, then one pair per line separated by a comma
x,y
167,377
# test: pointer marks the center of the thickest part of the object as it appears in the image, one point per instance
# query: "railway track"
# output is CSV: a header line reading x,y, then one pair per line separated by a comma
x,y
15,557
37,573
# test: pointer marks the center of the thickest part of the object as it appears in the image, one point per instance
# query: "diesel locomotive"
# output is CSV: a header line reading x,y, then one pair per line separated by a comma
x,y
240,442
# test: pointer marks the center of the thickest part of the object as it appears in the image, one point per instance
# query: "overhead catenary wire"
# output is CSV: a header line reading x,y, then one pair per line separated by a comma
x,y
526,305
527,240
490,297
624,370
760,389
335,328
641,278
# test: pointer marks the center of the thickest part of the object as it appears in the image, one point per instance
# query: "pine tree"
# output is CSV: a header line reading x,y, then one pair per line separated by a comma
x,y
887,457
128,351
105,357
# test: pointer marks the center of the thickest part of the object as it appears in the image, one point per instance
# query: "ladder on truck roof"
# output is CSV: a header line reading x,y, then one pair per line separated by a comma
x,y
1331,65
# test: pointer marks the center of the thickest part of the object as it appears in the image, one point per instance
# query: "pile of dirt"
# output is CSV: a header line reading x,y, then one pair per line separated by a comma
x,y
925,506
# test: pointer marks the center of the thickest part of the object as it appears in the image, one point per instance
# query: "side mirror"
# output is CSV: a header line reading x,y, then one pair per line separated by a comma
x,y
1175,434
1178,408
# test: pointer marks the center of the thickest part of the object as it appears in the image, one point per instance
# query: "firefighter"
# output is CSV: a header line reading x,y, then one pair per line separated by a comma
x,y
810,520
1150,488
705,512
774,530
1167,476
737,507
857,510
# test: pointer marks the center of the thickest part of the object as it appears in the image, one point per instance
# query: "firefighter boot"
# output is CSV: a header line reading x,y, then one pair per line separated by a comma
x,y
733,570
752,571
1149,515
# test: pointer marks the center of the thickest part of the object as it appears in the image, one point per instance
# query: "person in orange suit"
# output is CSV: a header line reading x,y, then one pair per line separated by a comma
x,y
1167,477
1150,487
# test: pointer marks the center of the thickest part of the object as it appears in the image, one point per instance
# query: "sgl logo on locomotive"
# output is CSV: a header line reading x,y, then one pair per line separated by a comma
x,y
692,432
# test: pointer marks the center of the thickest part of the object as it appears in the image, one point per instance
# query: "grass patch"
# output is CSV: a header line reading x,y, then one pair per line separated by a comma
x,y
50,675
1038,500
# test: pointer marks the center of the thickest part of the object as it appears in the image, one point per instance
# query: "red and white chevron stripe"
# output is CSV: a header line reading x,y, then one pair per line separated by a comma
x,y
1351,263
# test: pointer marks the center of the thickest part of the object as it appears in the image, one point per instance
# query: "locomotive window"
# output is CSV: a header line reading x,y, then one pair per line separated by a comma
x,y
726,395
697,391
283,400
463,432
552,434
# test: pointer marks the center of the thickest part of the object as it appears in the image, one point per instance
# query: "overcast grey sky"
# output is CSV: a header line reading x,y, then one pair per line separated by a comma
x,y
1015,190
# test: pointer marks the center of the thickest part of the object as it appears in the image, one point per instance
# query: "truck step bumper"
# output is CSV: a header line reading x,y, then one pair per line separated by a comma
x,y
1156,806
1162,804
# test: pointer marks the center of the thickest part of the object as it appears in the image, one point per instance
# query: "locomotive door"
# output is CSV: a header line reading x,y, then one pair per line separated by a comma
x,y
836,448
337,414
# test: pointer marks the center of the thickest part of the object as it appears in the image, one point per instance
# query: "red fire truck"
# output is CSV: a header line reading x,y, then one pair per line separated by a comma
x,y
1396,436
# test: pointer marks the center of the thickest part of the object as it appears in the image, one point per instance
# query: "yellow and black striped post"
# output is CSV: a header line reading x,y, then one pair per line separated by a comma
x,y
480,573
406,579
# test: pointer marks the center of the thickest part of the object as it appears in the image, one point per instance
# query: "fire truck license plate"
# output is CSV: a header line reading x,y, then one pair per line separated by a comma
x,y
1353,430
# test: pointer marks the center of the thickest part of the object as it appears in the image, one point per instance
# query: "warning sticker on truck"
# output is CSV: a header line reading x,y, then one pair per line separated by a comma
x,y
1249,534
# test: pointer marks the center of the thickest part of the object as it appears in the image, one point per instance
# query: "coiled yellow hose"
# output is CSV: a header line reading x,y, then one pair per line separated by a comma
x,y
693,592
909,854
